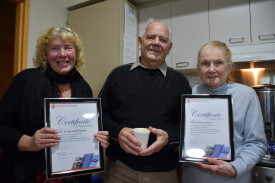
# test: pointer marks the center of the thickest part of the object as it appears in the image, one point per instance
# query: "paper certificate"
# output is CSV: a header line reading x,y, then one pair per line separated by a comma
x,y
76,121
207,128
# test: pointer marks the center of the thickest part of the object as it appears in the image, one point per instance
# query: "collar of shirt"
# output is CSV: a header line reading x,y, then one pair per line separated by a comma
x,y
162,67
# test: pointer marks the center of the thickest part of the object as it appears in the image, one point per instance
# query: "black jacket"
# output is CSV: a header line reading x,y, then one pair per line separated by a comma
x,y
22,112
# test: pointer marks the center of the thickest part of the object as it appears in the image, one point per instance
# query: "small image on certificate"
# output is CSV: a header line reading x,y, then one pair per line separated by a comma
x,y
206,128
78,152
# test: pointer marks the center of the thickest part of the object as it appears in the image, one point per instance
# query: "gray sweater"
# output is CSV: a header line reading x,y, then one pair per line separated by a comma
x,y
250,141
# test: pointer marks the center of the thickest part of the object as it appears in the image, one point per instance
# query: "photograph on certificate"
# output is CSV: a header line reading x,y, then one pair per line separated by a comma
x,y
76,120
206,128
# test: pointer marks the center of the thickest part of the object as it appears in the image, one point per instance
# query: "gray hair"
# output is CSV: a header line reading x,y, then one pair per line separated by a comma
x,y
151,20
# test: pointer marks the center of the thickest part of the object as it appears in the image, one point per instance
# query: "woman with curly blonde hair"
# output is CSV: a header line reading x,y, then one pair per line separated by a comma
x,y
23,136
66,34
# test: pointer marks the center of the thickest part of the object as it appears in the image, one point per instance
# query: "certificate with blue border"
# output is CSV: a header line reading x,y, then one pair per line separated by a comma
x,y
78,152
206,128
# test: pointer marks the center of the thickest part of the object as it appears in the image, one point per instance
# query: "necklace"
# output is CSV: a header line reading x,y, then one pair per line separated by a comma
x,y
59,92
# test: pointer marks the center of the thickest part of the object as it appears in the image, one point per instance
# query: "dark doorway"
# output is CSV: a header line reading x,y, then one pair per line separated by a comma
x,y
7,34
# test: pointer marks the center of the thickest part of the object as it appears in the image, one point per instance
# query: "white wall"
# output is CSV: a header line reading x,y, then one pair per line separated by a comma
x,y
43,15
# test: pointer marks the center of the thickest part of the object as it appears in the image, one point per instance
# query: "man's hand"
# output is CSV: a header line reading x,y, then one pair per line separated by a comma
x,y
162,140
128,142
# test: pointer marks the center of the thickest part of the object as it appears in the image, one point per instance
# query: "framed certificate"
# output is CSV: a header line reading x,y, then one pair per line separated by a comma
x,y
206,128
78,152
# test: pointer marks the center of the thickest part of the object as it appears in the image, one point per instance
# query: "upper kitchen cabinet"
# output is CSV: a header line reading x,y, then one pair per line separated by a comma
x,y
242,22
190,31
242,25
101,27
229,21
160,11
262,21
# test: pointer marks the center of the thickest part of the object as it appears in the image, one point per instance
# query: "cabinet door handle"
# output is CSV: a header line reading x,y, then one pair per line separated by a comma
x,y
266,37
182,64
236,40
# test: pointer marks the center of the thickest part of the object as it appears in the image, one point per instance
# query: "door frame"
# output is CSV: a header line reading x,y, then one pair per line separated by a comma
x,y
21,35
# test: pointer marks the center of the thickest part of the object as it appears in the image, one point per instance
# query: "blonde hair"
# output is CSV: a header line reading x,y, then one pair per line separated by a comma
x,y
222,46
65,34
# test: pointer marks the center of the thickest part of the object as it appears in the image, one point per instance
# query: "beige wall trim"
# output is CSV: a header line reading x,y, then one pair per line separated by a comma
x,y
21,35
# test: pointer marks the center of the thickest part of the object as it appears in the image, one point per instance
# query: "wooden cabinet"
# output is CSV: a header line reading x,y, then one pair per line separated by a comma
x,y
262,21
229,21
190,31
75,4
